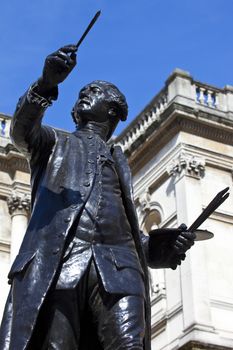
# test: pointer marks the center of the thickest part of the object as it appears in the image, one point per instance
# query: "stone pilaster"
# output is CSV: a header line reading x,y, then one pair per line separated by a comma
x,y
188,171
19,208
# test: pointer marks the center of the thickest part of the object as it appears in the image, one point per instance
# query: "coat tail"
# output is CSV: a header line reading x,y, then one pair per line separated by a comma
x,y
5,330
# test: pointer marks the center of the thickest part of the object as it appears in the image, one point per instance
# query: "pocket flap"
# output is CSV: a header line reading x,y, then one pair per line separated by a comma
x,y
20,263
123,259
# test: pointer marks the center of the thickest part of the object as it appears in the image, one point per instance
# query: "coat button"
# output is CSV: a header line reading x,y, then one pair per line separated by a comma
x,y
67,219
56,250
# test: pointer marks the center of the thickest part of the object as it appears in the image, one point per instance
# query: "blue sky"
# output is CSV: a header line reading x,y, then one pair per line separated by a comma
x,y
135,44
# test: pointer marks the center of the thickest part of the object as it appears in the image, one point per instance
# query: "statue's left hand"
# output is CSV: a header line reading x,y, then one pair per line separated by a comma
x,y
183,242
167,247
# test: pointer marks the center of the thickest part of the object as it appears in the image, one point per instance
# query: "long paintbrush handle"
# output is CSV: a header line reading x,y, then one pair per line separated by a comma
x,y
94,19
211,207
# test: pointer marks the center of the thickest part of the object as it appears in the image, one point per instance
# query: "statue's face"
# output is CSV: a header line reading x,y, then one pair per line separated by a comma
x,y
93,103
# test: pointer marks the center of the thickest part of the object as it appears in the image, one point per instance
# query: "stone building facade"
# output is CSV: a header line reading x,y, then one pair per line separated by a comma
x,y
180,149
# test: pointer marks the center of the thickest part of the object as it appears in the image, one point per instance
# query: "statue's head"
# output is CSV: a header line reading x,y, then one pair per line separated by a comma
x,y
101,102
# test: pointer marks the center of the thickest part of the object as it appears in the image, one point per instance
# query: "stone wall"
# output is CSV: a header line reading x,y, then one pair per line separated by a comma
x,y
180,149
14,203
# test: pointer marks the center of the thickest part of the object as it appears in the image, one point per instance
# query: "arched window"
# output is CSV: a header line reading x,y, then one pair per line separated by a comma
x,y
152,220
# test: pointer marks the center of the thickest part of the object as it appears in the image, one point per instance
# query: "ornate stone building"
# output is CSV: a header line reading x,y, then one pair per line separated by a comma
x,y
14,203
180,149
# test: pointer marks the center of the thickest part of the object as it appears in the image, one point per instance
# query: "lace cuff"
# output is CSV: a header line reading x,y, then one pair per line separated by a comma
x,y
34,97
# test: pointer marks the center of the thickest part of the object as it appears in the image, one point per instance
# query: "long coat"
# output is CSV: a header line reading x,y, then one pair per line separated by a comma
x,y
59,191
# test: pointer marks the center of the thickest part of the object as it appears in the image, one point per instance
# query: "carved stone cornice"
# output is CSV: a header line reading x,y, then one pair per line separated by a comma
x,y
13,164
186,164
19,204
197,345
174,119
11,160
181,93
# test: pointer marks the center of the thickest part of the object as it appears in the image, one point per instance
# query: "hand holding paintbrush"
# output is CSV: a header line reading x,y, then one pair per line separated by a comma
x,y
94,19
60,63
170,244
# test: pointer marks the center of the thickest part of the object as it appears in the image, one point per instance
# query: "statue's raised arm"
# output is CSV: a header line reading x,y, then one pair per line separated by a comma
x,y
26,131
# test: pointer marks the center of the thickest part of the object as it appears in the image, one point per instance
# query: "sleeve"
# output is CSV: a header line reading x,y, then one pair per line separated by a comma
x,y
26,131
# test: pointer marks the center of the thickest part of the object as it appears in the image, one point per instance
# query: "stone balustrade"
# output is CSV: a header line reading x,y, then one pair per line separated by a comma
x,y
151,116
207,96
4,125
182,89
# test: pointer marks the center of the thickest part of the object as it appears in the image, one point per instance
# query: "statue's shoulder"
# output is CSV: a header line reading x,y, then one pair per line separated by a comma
x,y
62,135
78,134
116,149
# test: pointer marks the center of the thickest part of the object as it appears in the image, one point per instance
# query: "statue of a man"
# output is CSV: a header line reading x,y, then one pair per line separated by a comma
x,y
80,279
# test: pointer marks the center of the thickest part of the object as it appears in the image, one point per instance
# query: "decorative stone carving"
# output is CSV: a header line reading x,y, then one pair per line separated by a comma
x,y
144,200
19,203
157,283
188,165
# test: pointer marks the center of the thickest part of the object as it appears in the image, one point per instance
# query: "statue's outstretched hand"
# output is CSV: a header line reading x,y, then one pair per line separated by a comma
x,y
167,247
57,67
183,242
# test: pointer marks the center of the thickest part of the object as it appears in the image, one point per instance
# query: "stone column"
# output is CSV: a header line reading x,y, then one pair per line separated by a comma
x,y
188,171
19,208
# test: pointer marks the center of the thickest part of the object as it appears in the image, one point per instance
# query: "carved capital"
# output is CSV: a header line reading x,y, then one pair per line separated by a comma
x,y
19,204
187,165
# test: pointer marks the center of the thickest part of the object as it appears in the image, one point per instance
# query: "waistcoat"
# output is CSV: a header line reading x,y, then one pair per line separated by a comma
x,y
103,219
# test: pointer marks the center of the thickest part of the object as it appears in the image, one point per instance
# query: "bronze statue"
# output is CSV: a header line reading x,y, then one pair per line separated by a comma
x,y
80,279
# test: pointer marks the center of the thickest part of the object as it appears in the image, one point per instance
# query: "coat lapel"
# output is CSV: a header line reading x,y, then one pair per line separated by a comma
x,y
125,178
123,171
